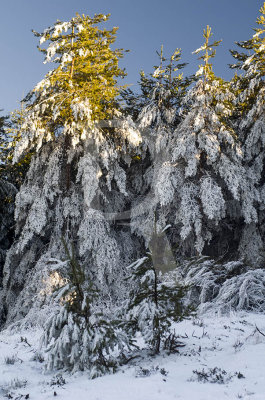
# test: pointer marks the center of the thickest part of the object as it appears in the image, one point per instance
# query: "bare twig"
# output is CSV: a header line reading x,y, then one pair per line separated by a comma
x,y
263,334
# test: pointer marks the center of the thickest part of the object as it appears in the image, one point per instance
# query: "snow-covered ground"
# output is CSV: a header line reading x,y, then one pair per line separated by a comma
x,y
228,354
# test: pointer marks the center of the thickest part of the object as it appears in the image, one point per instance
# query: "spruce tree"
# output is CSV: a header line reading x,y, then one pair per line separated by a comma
x,y
7,197
165,87
250,123
81,90
251,62
76,183
4,144
202,187
154,305
79,336
16,171
11,178
250,86
164,91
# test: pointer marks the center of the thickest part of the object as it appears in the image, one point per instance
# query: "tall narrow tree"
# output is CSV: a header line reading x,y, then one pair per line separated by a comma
x,y
76,183
250,123
203,179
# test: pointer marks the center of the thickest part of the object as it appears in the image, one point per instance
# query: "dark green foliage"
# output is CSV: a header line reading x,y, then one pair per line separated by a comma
x,y
165,86
10,135
79,336
250,61
3,146
7,197
215,375
154,305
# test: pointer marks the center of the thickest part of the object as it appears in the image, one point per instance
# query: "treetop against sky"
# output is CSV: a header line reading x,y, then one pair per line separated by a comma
x,y
143,27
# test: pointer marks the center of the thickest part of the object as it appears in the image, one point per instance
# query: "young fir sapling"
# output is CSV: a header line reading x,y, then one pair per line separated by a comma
x,y
154,305
79,336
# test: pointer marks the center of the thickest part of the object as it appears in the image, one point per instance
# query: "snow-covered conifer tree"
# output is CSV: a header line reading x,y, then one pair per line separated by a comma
x,y
76,183
153,305
7,197
250,124
16,170
78,336
163,92
166,79
251,62
202,186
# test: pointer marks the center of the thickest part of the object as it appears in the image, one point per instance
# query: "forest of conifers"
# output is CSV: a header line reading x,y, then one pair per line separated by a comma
x,y
123,211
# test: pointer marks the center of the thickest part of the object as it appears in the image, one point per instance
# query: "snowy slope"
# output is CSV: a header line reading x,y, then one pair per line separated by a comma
x,y
231,343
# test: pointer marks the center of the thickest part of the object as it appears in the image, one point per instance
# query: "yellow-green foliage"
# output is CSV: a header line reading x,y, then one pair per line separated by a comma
x,y
220,89
87,72
206,69
258,42
167,75
252,61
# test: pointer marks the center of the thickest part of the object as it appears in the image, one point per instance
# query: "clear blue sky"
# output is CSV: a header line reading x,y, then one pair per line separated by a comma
x,y
143,26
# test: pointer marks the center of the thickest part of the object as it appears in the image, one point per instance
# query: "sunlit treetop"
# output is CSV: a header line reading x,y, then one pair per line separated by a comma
x,y
84,84
209,51
251,65
217,91
254,60
82,88
165,86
